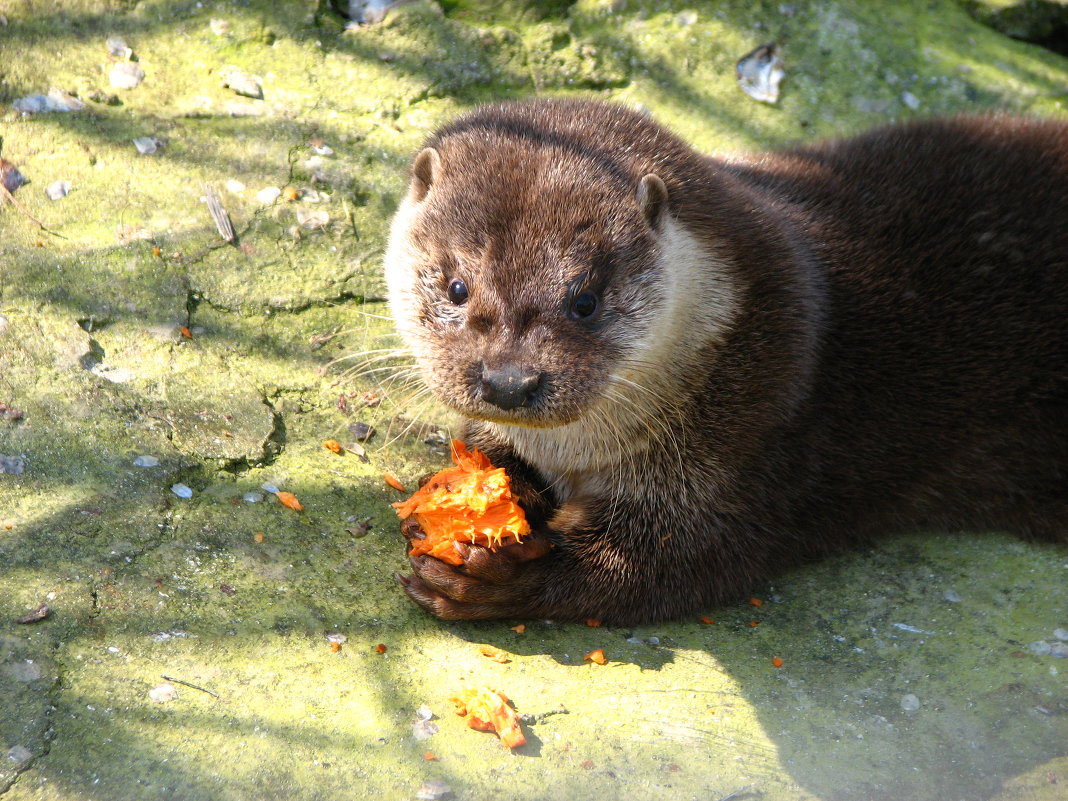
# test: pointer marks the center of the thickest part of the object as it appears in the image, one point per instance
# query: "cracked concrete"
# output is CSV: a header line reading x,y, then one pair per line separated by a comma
x,y
922,668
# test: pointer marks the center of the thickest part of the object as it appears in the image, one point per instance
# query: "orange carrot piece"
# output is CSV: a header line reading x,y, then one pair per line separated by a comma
x,y
290,500
380,648
333,445
707,621
593,622
488,710
755,602
394,482
777,662
496,654
469,502
597,657
519,629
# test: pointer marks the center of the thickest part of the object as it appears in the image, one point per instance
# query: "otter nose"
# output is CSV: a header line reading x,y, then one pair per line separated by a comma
x,y
508,387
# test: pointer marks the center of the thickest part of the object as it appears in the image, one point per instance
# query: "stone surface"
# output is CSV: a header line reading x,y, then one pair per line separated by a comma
x,y
129,328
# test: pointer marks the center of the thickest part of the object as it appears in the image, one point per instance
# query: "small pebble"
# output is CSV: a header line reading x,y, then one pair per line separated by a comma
x,y
19,754
252,497
220,27
58,189
433,790
182,491
362,431
116,46
146,145
424,729
1061,634
146,461
162,693
12,465
910,703
269,487
334,636
759,73
268,195
424,712
910,100
126,75
1039,648
240,82
952,596
235,186
1059,650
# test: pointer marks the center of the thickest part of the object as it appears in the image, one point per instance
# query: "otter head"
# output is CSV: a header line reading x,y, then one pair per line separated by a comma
x,y
521,278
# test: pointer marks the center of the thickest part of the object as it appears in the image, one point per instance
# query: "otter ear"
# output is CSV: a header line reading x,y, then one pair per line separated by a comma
x,y
425,168
652,199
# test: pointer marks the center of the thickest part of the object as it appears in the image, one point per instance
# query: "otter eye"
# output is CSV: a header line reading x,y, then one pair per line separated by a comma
x,y
584,305
457,292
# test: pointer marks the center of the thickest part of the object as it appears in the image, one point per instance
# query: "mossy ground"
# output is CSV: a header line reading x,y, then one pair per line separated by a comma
x,y
237,597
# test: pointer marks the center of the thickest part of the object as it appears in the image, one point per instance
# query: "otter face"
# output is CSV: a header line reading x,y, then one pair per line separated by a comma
x,y
523,278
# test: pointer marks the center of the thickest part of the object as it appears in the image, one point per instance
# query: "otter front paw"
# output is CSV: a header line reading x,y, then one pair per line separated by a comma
x,y
489,584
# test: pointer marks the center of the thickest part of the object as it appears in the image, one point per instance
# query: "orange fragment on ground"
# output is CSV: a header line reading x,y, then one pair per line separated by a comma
x,y
519,629
755,602
430,756
707,621
488,710
593,622
777,662
496,654
469,502
380,648
333,445
185,332
290,500
394,482
597,657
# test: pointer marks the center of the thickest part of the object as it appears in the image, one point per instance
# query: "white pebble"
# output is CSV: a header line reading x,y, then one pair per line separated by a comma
x,y
146,461
126,75
182,491
910,100
910,703
952,596
1059,650
269,487
1039,648
146,145
1061,634
252,497
235,186
163,693
19,754
58,189
268,195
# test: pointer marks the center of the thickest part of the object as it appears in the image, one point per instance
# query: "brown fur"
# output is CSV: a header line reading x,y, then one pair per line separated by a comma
x,y
791,353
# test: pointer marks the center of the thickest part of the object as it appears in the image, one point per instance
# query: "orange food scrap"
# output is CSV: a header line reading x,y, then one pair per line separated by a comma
x,y
755,602
520,628
430,756
777,662
185,331
380,648
593,622
333,445
707,621
290,193
335,646
597,657
470,502
258,536
394,482
290,500
488,710
496,654
157,252
754,623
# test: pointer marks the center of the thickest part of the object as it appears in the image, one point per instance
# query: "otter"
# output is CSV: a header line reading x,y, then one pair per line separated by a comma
x,y
699,371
